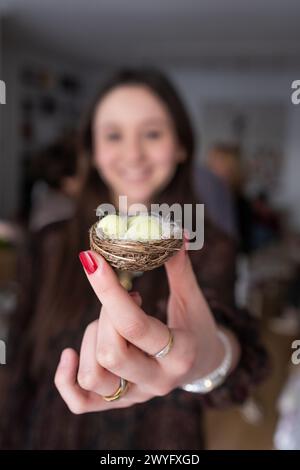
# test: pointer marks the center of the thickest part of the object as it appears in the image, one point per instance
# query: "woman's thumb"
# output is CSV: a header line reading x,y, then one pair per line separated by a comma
x,y
180,274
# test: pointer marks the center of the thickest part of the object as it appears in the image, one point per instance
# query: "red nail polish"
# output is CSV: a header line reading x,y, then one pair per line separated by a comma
x,y
88,261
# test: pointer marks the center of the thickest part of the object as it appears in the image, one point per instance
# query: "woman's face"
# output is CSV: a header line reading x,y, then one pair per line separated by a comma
x,y
135,147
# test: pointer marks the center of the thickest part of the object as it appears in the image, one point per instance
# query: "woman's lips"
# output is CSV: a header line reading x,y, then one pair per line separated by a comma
x,y
135,176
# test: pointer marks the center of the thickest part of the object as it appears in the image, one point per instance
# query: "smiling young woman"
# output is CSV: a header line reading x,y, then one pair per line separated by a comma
x,y
178,326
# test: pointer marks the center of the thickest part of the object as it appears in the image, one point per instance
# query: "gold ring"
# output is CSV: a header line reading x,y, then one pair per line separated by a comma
x,y
163,352
121,390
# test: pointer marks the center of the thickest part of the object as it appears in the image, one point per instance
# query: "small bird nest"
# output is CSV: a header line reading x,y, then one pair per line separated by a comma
x,y
134,255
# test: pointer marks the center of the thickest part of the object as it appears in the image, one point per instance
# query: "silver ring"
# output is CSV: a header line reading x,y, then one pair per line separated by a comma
x,y
163,352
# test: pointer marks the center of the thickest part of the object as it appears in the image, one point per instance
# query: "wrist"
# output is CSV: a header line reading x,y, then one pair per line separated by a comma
x,y
210,356
216,355
215,377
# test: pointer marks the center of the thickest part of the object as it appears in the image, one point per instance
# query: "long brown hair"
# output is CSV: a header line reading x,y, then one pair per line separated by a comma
x,y
68,295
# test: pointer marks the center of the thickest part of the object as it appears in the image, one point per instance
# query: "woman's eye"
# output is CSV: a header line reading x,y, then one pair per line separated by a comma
x,y
153,134
114,136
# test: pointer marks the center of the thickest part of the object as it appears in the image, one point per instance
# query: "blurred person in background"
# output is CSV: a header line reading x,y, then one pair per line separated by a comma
x,y
258,224
217,199
266,224
224,159
137,141
57,182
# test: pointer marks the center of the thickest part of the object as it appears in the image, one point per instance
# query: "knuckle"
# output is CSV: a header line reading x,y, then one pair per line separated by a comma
x,y
87,380
185,363
163,390
56,382
136,330
109,359
59,380
77,408
149,389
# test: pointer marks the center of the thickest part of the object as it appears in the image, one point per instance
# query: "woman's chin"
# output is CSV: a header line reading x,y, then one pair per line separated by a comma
x,y
138,197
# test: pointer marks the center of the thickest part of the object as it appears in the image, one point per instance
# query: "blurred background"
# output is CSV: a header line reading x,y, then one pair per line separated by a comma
x,y
234,63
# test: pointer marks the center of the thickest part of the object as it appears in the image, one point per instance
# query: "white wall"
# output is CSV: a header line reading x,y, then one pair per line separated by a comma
x,y
201,86
14,57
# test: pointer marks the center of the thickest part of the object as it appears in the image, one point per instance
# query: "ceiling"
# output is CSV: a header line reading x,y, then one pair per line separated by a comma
x,y
173,31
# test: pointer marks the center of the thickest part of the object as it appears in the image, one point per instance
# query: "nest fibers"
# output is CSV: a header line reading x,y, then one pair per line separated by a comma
x,y
138,255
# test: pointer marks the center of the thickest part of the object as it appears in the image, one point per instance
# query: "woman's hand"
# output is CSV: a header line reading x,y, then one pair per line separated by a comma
x,y
124,339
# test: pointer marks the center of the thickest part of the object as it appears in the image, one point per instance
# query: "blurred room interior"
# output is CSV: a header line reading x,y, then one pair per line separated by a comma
x,y
234,62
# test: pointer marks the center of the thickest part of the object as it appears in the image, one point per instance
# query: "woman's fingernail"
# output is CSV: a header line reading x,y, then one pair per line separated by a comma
x,y
88,261
135,294
136,297
186,236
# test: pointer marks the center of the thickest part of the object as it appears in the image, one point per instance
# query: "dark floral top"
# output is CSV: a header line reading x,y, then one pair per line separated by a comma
x,y
34,416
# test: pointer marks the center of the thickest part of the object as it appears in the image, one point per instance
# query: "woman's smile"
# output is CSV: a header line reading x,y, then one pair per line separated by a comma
x,y
135,175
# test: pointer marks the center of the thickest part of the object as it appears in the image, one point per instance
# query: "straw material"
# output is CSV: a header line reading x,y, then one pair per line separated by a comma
x,y
128,255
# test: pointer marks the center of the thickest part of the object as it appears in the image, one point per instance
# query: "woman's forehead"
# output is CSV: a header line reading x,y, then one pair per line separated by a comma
x,y
131,103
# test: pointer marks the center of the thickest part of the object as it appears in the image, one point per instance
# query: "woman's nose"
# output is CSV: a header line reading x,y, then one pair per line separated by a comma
x,y
133,151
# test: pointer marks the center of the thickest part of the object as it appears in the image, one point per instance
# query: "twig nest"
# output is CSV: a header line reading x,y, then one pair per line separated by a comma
x,y
135,243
